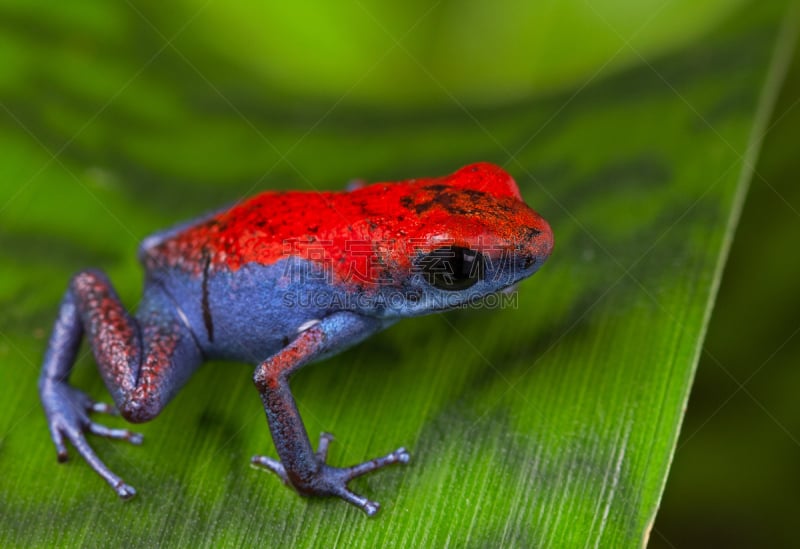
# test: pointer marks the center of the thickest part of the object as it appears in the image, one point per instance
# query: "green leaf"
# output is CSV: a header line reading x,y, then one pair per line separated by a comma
x,y
742,420
551,422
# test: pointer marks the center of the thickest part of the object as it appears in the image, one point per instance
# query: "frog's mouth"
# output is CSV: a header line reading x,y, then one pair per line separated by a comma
x,y
475,301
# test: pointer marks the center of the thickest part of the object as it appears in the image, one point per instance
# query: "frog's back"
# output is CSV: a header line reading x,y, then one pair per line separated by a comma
x,y
261,229
152,246
190,244
274,225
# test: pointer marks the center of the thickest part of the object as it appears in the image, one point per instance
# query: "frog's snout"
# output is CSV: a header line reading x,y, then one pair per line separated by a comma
x,y
538,241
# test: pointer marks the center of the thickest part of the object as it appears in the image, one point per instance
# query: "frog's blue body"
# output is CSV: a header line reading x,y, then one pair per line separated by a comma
x,y
245,315
280,281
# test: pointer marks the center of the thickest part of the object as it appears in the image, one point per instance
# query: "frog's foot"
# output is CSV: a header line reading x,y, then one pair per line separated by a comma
x,y
67,412
332,481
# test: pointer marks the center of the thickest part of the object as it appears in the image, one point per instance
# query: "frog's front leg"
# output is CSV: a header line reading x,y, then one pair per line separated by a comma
x,y
299,466
143,362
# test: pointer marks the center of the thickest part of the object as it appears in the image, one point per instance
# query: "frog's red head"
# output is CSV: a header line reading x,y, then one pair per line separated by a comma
x,y
467,235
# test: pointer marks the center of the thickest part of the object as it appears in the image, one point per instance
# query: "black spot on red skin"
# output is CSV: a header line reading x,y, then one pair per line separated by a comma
x,y
423,207
473,194
532,233
450,202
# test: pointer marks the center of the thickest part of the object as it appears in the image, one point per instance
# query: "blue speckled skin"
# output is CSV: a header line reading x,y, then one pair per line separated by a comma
x,y
279,316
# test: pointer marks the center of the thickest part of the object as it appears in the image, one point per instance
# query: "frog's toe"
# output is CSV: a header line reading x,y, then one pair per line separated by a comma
x,y
371,508
78,440
102,430
61,448
116,434
322,448
103,408
265,462
125,491
400,455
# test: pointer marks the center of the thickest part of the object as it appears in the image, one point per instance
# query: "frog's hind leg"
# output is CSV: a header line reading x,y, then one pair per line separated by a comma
x,y
143,362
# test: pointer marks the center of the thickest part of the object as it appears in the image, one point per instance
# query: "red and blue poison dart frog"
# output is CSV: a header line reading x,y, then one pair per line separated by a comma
x,y
282,280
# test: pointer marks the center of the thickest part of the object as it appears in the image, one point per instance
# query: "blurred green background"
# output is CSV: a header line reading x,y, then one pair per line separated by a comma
x,y
155,114
733,480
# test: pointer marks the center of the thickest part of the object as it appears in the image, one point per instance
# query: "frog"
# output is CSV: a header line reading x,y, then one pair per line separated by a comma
x,y
281,280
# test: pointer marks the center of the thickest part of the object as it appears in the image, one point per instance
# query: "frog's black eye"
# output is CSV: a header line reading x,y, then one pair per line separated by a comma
x,y
452,267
